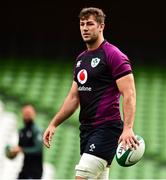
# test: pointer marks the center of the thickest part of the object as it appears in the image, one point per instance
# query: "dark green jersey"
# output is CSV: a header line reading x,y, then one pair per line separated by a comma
x,y
30,139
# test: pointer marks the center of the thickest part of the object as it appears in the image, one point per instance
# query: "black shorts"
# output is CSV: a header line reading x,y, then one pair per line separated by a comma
x,y
101,141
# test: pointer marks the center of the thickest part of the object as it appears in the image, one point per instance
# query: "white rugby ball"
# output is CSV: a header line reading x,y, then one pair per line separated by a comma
x,y
130,157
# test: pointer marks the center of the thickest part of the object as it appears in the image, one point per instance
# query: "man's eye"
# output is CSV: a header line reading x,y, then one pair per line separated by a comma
x,y
90,24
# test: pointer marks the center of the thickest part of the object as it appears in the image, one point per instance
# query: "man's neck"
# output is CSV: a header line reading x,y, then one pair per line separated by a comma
x,y
95,45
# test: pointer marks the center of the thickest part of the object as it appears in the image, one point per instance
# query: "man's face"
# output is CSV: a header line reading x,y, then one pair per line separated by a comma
x,y
90,29
28,113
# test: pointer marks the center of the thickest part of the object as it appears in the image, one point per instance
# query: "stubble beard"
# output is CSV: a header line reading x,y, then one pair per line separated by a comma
x,y
91,41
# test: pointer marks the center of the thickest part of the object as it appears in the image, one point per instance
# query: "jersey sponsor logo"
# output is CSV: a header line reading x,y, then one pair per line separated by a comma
x,y
78,64
83,88
95,62
82,76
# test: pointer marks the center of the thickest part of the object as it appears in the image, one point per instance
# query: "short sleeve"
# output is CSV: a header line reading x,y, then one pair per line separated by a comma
x,y
119,65
74,72
77,64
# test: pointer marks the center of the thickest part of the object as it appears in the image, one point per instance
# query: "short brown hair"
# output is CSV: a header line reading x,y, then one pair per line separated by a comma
x,y
96,12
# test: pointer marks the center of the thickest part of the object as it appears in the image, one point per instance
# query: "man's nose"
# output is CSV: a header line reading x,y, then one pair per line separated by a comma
x,y
85,27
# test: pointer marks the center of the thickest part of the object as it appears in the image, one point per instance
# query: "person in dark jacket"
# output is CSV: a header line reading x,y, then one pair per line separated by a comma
x,y
30,144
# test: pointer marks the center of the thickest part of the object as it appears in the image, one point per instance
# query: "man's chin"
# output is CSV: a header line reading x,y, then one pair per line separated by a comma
x,y
89,41
86,40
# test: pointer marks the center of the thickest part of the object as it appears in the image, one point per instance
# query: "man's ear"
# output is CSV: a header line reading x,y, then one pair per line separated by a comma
x,y
102,26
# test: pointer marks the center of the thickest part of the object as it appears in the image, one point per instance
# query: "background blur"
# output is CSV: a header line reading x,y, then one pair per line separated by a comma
x,y
39,42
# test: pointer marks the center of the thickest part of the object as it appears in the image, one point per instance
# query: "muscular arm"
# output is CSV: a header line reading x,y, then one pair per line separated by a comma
x,y
69,106
126,86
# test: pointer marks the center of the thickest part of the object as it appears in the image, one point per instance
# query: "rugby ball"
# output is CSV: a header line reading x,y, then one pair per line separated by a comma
x,y
8,153
128,157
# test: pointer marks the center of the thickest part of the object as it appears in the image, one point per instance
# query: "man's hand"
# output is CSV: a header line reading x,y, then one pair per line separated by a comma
x,y
128,139
48,134
15,150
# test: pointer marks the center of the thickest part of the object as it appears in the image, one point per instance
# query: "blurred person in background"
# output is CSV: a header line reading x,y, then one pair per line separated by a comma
x,y
30,144
102,73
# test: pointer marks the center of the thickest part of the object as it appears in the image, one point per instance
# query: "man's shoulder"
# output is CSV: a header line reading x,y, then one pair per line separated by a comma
x,y
111,49
81,54
37,128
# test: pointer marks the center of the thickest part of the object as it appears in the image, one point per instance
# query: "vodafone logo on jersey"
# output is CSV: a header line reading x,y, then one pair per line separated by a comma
x,y
82,76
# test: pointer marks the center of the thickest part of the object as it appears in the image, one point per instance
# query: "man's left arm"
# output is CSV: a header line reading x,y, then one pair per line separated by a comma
x,y
126,87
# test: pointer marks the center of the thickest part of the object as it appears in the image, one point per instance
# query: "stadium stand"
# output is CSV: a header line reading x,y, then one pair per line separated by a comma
x,y
46,83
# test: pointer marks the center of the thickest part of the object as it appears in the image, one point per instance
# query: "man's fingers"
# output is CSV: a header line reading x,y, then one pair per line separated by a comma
x,y
125,144
50,136
121,140
136,141
46,139
46,143
131,143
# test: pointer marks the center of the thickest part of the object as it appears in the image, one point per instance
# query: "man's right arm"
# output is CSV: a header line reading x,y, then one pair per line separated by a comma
x,y
69,106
